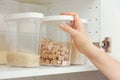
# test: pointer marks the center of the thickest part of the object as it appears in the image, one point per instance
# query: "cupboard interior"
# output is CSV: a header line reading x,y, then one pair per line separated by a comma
x,y
87,9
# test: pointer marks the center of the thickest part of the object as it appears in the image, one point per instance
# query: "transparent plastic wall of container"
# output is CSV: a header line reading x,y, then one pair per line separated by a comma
x,y
3,44
23,39
55,48
78,58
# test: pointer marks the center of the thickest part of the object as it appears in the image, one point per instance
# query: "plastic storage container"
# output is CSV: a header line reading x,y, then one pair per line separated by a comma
x,y
55,48
78,58
23,37
3,46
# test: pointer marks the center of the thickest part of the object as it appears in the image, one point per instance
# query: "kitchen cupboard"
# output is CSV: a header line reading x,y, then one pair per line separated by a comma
x,y
103,21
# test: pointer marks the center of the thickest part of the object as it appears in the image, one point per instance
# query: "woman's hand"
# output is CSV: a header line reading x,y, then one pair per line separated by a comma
x,y
77,32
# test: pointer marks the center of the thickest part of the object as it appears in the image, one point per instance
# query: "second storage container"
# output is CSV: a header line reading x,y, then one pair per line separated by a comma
x,y
55,48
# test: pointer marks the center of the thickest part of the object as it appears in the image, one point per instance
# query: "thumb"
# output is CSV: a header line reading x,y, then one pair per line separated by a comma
x,y
67,28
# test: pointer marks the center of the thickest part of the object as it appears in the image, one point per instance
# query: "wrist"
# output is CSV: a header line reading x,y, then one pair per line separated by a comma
x,y
90,48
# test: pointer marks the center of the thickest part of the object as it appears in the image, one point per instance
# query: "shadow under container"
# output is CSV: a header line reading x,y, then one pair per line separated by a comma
x,y
55,48
23,38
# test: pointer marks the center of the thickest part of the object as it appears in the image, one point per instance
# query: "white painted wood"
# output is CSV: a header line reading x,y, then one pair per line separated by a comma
x,y
13,72
110,24
9,7
29,7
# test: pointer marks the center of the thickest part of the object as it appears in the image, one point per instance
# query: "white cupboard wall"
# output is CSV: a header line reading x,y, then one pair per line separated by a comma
x,y
103,21
110,24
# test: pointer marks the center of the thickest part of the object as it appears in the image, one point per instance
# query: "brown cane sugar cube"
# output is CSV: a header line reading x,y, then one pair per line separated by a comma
x,y
57,54
42,54
61,58
53,51
45,55
46,51
47,61
62,53
54,62
42,51
50,56
54,56
56,48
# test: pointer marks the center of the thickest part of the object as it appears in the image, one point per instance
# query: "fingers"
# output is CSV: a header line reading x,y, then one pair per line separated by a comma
x,y
76,21
75,15
67,28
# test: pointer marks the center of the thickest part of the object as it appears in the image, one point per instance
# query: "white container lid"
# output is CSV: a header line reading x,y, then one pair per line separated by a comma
x,y
62,17
85,21
24,16
58,17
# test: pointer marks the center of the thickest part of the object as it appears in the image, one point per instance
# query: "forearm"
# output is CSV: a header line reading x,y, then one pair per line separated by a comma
x,y
107,65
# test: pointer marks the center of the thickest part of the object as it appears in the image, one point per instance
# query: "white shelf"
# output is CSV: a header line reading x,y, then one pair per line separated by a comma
x,y
14,72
